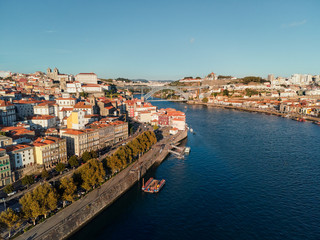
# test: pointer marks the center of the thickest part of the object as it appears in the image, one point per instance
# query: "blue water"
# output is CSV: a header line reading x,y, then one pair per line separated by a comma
x,y
248,176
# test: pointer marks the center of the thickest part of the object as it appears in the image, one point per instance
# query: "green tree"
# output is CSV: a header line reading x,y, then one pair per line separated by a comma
x,y
27,180
10,219
73,161
225,92
68,188
93,154
155,127
92,173
205,100
84,94
8,189
44,174
60,167
86,156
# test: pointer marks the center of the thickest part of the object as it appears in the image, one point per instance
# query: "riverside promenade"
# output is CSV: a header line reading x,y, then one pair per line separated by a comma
x,y
76,215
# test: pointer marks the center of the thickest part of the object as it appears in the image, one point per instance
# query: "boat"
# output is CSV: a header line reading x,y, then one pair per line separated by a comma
x,y
191,130
153,185
187,150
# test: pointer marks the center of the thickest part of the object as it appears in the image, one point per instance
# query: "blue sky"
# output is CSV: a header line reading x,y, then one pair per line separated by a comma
x,y
165,39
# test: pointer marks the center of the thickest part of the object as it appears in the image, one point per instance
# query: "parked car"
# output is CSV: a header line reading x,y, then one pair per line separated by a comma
x,y
11,194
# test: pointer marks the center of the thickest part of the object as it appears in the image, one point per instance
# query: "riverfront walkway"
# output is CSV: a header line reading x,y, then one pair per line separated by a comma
x,y
48,227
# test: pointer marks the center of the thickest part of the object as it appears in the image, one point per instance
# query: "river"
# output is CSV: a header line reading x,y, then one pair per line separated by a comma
x,y
248,176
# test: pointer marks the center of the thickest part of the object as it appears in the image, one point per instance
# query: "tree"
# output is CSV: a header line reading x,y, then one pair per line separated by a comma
x,y
46,197
93,154
60,167
68,188
10,219
44,174
225,92
84,94
205,100
30,207
8,189
86,156
92,173
73,161
27,180
155,127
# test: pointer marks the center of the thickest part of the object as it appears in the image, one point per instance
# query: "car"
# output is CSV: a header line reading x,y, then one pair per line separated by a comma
x,y
11,194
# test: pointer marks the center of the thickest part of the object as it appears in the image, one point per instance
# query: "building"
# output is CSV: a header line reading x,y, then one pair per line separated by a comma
x,y
91,88
66,102
5,74
5,141
76,120
21,156
120,130
5,168
79,141
7,113
25,108
90,78
55,75
106,133
44,109
49,151
42,121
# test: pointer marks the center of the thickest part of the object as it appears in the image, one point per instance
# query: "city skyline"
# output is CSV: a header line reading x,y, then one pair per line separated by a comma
x,y
164,41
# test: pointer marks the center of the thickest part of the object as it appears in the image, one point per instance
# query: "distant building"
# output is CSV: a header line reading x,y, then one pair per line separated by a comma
x,y
7,113
55,75
271,78
5,74
89,78
5,141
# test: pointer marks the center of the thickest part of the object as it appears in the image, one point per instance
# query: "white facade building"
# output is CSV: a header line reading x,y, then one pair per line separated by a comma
x,y
90,78
21,156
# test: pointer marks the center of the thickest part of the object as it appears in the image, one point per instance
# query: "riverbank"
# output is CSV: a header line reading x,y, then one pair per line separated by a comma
x,y
75,216
293,116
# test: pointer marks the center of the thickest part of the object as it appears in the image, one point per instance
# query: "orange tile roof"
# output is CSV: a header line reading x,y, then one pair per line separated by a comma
x,y
42,117
16,147
81,105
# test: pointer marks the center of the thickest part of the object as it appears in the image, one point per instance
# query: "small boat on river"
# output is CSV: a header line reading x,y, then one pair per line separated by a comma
x,y
153,185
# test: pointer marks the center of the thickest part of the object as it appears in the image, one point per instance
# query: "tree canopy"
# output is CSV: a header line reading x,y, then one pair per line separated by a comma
x,y
27,180
68,188
10,219
60,167
92,173
130,152
40,201
73,161
8,189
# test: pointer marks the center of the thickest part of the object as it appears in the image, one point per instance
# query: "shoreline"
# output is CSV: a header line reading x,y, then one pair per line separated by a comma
x,y
75,216
292,116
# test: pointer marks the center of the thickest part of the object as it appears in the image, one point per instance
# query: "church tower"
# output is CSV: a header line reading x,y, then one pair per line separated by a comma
x,y
49,72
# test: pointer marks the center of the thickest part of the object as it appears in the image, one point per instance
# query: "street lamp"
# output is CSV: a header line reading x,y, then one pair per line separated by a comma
x,y
4,202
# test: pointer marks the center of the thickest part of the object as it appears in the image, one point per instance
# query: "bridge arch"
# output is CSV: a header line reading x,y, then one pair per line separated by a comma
x,y
157,89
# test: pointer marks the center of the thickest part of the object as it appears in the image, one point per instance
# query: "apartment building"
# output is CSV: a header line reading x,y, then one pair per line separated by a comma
x,y
49,151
